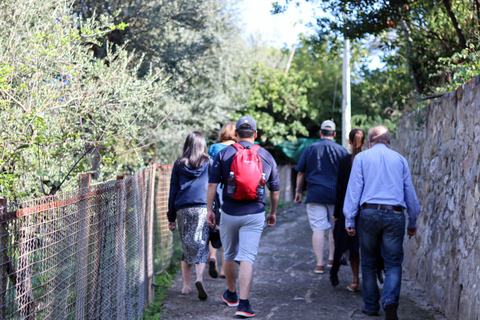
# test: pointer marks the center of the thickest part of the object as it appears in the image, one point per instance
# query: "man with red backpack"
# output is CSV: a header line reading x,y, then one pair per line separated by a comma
x,y
245,169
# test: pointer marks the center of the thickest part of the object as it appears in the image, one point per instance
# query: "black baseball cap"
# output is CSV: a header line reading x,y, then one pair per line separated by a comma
x,y
246,122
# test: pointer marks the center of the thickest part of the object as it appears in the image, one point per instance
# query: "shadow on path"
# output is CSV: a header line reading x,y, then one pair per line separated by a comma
x,y
285,286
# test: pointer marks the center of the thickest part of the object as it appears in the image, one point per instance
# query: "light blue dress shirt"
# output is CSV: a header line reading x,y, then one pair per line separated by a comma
x,y
380,176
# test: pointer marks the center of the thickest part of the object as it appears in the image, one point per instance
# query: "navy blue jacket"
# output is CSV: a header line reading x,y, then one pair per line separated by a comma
x,y
188,188
319,162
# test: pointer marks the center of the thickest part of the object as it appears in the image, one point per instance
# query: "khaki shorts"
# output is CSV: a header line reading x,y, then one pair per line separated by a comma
x,y
320,216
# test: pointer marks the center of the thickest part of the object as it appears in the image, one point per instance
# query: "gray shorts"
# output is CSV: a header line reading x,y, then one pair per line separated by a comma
x,y
241,236
320,216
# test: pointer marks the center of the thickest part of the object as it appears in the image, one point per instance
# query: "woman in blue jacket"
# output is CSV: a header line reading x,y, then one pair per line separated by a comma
x,y
188,203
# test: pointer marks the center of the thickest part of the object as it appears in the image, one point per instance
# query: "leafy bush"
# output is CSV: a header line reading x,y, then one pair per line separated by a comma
x,y
62,111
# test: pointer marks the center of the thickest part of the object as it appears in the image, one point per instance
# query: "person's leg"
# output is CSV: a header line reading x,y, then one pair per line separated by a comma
x,y
186,271
331,240
250,233
231,275
213,253
331,245
200,270
318,244
319,222
229,229
245,279
392,252
370,229
222,268
355,264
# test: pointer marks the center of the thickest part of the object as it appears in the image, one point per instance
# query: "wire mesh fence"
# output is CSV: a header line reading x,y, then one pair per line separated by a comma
x,y
87,254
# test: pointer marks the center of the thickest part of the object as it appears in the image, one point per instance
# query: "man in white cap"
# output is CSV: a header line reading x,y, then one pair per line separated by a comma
x,y
319,167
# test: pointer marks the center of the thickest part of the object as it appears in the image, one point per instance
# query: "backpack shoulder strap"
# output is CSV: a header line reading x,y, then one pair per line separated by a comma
x,y
255,147
237,146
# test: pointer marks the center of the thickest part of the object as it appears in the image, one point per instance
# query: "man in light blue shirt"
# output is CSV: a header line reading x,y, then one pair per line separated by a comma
x,y
381,186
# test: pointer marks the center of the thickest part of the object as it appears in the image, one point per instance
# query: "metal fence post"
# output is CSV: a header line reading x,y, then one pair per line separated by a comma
x,y
82,248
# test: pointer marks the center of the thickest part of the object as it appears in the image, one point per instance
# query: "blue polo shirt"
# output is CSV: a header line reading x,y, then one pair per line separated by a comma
x,y
221,169
319,163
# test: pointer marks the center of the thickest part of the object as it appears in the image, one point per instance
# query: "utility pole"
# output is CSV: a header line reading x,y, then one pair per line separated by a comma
x,y
346,103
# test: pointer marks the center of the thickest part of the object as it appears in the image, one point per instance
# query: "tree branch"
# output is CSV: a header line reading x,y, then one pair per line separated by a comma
x,y
460,35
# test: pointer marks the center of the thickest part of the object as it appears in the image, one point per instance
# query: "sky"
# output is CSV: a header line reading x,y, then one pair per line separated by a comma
x,y
282,30
278,30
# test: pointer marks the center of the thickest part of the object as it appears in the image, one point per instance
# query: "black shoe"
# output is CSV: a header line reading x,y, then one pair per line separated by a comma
x,y
244,309
370,313
202,294
391,312
212,269
230,298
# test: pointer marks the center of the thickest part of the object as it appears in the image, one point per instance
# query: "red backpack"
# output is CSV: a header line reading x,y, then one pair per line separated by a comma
x,y
247,168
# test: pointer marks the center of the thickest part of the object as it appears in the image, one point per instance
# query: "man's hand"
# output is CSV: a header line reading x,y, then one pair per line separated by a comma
x,y
335,219
211,218
271,220
411,233
171,226
351,231
298,198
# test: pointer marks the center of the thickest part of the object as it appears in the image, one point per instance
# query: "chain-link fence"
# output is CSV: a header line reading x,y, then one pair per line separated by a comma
x,y
88,254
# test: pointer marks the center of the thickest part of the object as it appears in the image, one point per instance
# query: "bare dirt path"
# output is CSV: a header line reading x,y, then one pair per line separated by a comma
x,y
285,287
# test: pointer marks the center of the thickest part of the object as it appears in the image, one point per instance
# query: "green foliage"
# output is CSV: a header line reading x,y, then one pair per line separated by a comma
x,y
278,103
428,39
63,112
459,68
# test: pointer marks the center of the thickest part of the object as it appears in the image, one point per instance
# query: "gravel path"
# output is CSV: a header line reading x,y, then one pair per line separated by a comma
x,y
285,287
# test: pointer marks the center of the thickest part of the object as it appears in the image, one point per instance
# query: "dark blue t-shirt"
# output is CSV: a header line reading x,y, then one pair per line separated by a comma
x,y
319,162
221,169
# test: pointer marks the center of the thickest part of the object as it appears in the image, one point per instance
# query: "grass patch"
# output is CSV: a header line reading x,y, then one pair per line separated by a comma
x,y
164,281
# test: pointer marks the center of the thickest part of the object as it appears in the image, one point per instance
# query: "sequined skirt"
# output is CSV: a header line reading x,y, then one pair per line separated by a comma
x,y
194,231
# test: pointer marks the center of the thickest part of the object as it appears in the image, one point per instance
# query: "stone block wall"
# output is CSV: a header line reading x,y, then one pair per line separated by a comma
x,y
442,145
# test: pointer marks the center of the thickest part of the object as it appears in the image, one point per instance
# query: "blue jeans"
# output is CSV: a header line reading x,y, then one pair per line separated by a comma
x,y
381,230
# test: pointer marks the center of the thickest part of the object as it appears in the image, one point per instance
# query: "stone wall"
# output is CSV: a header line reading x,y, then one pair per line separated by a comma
x,y
441,144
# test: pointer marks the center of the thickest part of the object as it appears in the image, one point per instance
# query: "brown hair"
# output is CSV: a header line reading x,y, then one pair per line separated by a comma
x,y
227,132
357,138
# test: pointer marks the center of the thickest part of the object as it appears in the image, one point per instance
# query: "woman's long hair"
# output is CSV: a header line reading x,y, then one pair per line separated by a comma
x,y
357,138
194,151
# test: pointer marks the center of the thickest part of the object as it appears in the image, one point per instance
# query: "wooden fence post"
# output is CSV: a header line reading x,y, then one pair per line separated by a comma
x,y
3,259
82,248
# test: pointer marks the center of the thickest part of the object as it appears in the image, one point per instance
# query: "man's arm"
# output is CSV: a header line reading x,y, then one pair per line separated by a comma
x,y
353,195
211,192
411,201
272,215
298,190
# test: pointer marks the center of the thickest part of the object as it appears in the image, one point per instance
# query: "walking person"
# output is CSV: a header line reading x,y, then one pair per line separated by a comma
x,y
343,242
243,210
380,183
226,137
187,203
318,166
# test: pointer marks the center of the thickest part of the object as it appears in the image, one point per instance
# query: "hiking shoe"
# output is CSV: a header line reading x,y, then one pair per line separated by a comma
x,y
391,312
202,294
212,269
230,298
319,269
244,309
